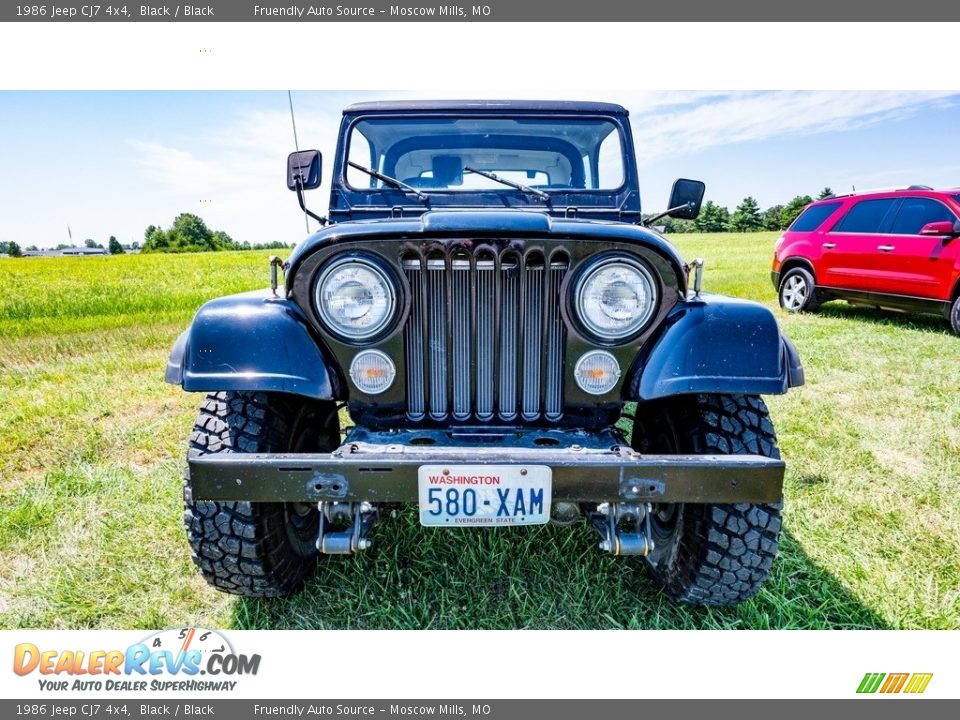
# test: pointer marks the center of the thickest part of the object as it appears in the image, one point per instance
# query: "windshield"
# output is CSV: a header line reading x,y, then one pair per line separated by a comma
x,y
542,153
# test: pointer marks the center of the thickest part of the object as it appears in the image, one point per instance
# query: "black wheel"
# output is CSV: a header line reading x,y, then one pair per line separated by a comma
x,y
710,554
798,291
256,549
955,316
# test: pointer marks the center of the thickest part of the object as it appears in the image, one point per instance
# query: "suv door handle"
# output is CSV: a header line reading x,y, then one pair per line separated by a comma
x,y
829,246
885,248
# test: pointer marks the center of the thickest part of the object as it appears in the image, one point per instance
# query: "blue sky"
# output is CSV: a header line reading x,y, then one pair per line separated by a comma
x,y
111,163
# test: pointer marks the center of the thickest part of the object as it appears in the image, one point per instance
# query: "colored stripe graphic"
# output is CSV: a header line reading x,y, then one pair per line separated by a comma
x,y
918,682
870,682
894,683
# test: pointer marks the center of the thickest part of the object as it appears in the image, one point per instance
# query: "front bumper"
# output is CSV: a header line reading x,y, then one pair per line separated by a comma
x,y
775,279
382,467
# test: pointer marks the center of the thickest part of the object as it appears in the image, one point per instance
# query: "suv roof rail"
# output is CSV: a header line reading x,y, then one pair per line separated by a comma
x,y
871,191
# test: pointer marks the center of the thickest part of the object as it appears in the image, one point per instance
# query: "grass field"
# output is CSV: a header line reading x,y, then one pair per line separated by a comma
x,y
91,454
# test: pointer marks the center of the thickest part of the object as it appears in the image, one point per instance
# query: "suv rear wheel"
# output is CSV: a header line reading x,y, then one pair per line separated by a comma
x,y
955,316
248,548
710,554
798,291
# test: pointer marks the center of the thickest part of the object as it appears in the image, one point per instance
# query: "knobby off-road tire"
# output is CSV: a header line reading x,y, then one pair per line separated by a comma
x,y
256,549
710,554
798,291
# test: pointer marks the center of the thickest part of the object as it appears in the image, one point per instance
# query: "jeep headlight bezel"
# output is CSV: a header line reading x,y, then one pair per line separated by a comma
x,y
615,297
355,298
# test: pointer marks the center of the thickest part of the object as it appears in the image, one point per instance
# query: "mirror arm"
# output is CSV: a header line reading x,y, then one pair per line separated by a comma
x,y
303,204
649,220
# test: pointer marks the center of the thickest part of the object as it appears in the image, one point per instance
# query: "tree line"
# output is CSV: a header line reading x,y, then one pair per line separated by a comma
x,y
747,217
189,233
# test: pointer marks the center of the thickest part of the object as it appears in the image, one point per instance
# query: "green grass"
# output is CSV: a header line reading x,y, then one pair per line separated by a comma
x,y
91,445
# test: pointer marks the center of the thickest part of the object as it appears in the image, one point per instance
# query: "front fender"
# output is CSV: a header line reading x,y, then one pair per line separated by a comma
x,y
716,344
252,341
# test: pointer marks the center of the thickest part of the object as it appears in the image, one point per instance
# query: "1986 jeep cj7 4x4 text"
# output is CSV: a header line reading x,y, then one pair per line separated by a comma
x,y
486,301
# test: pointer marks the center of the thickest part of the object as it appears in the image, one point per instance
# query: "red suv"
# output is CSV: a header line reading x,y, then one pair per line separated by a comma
x,y
894,249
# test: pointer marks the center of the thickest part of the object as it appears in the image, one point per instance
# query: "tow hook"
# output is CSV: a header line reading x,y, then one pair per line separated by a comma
x,y
624,527
344,527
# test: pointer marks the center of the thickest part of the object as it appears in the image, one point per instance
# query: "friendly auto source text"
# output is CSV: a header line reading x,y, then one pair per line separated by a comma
x,y
295,710
299,11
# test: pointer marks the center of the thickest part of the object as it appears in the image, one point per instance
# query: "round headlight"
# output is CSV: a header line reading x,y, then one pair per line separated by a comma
x,y
615,298
355,298
372,372
597,372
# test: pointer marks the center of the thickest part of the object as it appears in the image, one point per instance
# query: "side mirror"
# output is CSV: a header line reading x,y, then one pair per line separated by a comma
x,y
303,166
942,228
686,198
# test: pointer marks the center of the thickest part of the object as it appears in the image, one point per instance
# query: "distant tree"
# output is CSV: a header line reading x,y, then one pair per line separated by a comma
x,y
825,193
64,246
673,225
13,249
92,244
272,245
773,218
222,241
189,233
712,218
794,208
156,240
33,248
134,245
115,247
747,217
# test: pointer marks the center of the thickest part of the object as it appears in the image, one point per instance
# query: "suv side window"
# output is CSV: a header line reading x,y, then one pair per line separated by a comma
x,y
813,217
867,216
916,212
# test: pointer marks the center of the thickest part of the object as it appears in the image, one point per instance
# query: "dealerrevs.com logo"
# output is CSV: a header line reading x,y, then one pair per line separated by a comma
x,y
893,683
169,660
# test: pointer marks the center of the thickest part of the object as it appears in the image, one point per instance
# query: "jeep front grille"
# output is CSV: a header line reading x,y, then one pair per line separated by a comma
x,y
485,339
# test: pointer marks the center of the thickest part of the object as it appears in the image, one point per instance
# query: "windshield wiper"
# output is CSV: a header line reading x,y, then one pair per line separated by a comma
x,y
503,181
389,180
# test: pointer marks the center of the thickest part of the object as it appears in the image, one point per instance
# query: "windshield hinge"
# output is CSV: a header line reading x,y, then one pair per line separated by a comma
x,y
396,211
570,213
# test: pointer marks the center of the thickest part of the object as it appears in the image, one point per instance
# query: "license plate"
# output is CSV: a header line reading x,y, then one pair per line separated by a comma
x,y
484,495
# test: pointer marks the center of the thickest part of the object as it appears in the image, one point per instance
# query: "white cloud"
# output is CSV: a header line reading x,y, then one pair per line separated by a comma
x,y
748,117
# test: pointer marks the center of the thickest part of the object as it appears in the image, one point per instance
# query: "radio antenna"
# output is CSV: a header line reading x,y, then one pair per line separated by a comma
x,y
296,146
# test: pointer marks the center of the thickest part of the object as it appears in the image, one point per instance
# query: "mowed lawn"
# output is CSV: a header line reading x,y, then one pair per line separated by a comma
x,y
91,456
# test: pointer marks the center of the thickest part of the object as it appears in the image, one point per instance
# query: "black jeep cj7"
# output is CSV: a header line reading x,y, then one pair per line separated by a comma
x,y
488,304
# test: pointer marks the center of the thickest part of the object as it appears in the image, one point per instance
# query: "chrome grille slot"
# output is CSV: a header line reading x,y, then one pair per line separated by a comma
x,y
462,347
436,310
413,341
532,305
485,338
509,308
556,340
486,327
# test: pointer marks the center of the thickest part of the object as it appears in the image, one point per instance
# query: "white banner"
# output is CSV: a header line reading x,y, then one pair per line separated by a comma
x,y
195,662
